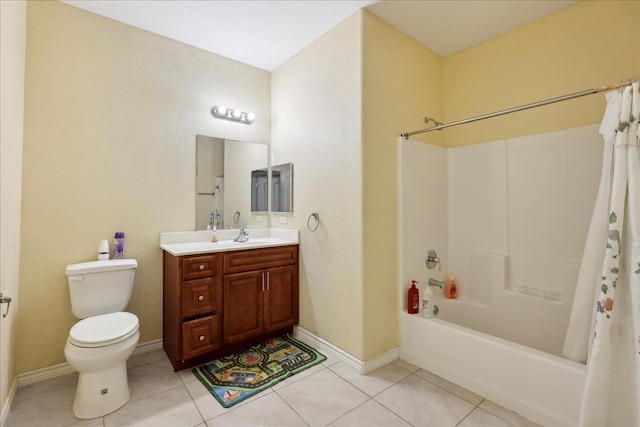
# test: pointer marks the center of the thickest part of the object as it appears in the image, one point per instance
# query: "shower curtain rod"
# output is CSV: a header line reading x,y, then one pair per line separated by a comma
x,y
440,126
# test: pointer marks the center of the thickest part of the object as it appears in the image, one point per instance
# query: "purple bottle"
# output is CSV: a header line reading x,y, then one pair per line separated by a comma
x,y
118,245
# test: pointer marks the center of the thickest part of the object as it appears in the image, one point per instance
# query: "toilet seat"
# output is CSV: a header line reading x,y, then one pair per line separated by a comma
x,y
104,330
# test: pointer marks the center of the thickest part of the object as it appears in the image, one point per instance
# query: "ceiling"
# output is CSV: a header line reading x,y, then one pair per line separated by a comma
x,y
267,33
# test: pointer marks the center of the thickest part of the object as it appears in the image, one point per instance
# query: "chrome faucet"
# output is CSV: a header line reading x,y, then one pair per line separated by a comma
x,y
243,236
436,283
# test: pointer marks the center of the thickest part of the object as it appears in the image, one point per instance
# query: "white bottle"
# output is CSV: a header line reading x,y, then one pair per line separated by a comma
x,y
214,234
427,302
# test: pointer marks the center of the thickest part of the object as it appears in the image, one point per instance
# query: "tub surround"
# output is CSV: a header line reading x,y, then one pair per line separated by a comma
x,y
502,205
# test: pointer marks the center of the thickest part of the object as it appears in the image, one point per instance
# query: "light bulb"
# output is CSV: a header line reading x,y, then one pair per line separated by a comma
x,y
236,114
251,117
222,111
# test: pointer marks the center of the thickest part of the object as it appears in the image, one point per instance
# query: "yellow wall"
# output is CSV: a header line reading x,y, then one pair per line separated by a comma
x,y
13,31
593,43
111,117
316,110
402,81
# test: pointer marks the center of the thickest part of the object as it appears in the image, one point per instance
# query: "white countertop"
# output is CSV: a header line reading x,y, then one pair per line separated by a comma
x,y
199,242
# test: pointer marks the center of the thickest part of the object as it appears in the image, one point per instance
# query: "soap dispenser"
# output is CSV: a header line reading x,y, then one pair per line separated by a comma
x,y
427,302
214,234
413,301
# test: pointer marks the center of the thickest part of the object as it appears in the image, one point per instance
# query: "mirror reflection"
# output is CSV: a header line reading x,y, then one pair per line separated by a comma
x,y
259,190
282,188
223,181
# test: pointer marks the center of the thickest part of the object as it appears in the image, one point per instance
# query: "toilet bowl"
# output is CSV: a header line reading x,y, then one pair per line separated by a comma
x,y
98,348
99,345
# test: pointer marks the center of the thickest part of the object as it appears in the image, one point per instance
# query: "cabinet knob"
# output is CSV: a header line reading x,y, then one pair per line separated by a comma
x,y
200,297
201,266
201,337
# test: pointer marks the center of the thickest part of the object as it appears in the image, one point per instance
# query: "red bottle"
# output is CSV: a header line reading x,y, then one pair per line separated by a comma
x,y
413,302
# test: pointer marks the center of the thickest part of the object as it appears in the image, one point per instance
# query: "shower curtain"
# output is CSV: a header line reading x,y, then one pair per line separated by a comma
x,y
604,328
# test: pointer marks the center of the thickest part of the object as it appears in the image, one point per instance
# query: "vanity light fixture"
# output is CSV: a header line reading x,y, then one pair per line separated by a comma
x,y
220,112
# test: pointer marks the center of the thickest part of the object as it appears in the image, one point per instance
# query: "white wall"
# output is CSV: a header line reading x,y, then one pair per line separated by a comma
x,y
13,30
518,215
316,124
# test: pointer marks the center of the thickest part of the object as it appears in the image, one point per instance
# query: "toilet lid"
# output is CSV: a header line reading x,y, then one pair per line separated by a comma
x,y
97,331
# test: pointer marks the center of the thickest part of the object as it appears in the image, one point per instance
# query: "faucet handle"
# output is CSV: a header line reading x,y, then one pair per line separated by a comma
x,y
432,259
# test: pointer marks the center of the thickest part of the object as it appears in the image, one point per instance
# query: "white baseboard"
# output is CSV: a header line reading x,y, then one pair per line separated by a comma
x,y
7,404
326,347
380,361
64,368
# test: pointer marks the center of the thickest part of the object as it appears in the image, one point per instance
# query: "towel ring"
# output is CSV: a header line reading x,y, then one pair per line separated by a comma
x,y
317,218
236,217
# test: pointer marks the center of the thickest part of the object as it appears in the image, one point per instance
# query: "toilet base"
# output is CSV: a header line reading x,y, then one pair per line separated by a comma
x,y
102,392
102,384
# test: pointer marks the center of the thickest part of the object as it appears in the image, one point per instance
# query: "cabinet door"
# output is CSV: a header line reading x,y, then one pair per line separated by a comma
x,y
243,306
281,298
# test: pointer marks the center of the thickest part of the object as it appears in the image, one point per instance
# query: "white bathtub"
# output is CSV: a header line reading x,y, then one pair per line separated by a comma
x,y
545,388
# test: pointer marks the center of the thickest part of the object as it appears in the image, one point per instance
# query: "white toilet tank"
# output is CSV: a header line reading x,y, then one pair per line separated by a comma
x,y
100,287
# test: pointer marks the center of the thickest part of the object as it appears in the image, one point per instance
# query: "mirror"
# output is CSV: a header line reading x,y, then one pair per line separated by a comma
x,y
223,181
259,190
282,188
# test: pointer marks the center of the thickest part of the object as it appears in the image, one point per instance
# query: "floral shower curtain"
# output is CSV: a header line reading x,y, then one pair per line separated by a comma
x,y
609,279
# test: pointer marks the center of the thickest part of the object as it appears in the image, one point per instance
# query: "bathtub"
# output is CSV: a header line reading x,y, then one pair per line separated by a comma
x,y
543,387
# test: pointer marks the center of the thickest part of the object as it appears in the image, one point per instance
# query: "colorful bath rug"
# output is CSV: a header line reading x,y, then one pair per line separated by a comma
x,y
237,377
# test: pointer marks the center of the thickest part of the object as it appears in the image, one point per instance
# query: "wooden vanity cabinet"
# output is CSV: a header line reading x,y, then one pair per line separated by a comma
x,y
215,304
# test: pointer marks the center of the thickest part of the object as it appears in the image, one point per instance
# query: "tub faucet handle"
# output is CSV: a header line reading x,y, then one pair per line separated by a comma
x,y
432,259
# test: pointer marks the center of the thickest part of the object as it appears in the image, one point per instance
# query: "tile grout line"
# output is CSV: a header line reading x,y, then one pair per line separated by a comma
x,y
465,417
440,387
342,416
381,391
192,399
287,403
394,412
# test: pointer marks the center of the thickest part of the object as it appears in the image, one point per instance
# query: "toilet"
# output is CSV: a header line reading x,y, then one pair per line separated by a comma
x,y
99,345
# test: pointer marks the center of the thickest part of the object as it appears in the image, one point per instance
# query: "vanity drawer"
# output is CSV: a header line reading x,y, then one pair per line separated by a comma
x,y
200,336
195,267
258,259
200,296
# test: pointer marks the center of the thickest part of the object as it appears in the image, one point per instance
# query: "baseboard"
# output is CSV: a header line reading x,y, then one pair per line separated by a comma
x,y
7,403
64,368
328,348
380,361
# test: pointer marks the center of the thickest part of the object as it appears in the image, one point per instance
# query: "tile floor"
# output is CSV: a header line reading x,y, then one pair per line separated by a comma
x,y
329,394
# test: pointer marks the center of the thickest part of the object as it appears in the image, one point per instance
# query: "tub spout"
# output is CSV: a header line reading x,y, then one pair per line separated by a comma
x,y
438,283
